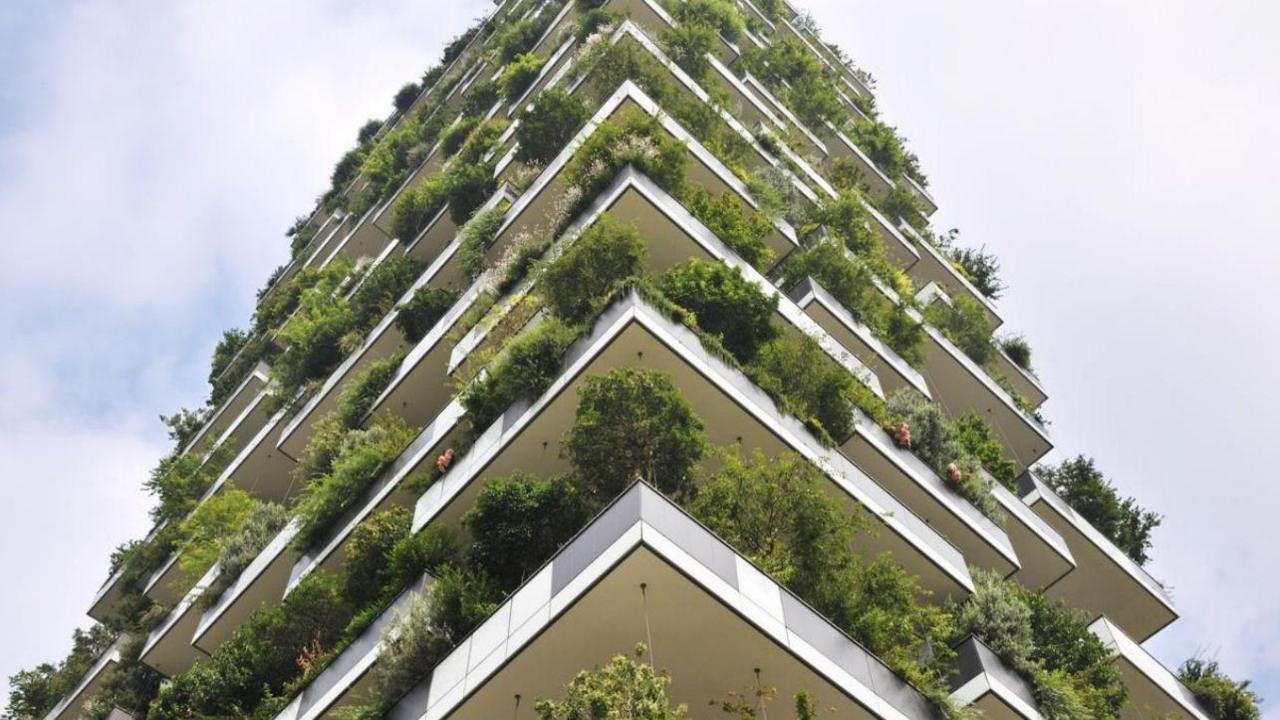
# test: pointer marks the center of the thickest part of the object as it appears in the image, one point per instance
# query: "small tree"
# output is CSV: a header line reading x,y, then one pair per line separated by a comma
x,y
633,424
1088,491
623,689
606,253
1222,697
518,522
405,97
548,125
725,304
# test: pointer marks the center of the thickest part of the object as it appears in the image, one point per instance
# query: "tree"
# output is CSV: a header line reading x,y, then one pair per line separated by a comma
x,y
724,303
624,689
1222,697
548,125
518,522
1088,491
633,424
605,254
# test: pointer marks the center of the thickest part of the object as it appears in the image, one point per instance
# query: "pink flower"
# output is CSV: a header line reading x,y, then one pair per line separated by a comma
x,y
445,460
902,435
954,471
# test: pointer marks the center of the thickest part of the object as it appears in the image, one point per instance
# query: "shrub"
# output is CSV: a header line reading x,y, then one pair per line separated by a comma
x,y
1089,493
741,228
780,515
882,144
980,268
1065,645
314,333
480,98
1018,350
263,522
548,125
725,304
1222,697
624,688
688,44
422,311
378,292
477,235
996,615
32,693
368,131
632,138
964,323
416,207
975,436
481,140
405,97
366,569
455,135
178,481
359,393
606,253
528,368
516,38
467,188
228,345
518,522
592,20
519,75
359,461
809,383
633,424
721,15
206,527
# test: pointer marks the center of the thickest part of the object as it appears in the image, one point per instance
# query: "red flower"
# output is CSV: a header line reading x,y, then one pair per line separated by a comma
x,y
902,435
954,471
445,460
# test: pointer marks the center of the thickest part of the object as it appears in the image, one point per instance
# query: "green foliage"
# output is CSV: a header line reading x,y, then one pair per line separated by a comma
x,y
468,187
1018,350
688,44
724,303
964,323
416,207
1222,697
738,226
980,268
178,481
633,424
548,125
779,514
314,334
366,569
359,393
184,424
528,368
381,288
262,656
797,77
228,345
205,529
32,693
1065,646
262,523
882,144
518,523
593,20
422,311
455,135
1089,493
480,98
516,38
722,15
477,235
623,688
360,459
606,253
853,285
405,97
632,137
978,440
809,383
519,75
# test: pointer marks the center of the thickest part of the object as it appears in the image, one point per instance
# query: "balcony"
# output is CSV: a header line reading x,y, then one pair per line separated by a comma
x,y
73,706
633,334
586,605
1105,581
1023,382
260,585
1043,553
347,682
230,411
168,648
933,267
1154,691
259,468
984,683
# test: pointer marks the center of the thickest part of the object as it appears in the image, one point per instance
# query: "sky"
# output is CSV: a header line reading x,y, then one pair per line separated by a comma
x,y
1120,158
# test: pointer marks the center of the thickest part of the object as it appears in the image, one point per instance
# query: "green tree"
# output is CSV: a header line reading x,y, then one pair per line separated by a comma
x,y
518,522
1222,697
546,126
624,689
605,254
1089,493
724,304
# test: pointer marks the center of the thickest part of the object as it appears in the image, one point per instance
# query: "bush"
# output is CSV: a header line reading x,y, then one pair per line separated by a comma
x,y
632,138
882,144
405,97
481,140
779,514
1222,697
518,523
519,75
741,228
416,207
1089,493
206,527
624,688
516,38
32,693
688,44
976,437
263,522
606,253
808,382
455,135
366,569
721,15
359,393
381,288
548,125
480,98
314,333
530,365
725,304
468,187
592,20
980,268
1018,350
477,235
1065,645
422,311
964,323
360,459
633,424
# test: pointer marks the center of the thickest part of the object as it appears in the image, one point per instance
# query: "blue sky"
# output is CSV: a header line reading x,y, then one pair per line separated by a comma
x,y
1120,158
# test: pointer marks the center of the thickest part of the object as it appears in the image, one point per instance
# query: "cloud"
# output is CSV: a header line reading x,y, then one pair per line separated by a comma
x,y
151,157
